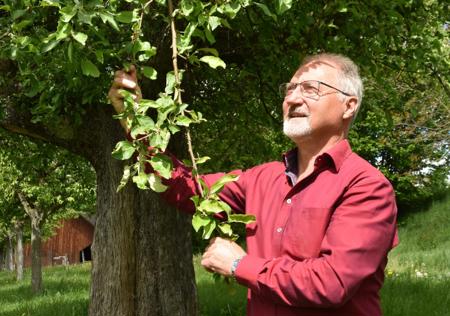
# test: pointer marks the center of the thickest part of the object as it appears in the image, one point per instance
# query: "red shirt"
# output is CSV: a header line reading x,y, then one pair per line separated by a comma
x,y
318,247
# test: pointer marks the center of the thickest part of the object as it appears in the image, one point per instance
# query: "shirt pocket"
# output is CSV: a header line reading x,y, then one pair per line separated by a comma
x,y
305,230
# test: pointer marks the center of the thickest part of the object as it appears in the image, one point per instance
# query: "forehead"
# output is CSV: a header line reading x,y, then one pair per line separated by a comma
x,y
317,70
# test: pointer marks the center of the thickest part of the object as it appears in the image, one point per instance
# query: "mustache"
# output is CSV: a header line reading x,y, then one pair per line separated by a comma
x,y
296,111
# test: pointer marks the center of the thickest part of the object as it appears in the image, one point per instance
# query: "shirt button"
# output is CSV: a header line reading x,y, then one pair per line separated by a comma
x,y
279,229
288,201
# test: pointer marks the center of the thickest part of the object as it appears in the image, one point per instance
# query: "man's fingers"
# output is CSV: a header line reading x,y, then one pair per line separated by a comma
x,y
125,81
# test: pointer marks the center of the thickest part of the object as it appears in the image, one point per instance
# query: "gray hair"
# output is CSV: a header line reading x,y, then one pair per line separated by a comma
x,y
348,74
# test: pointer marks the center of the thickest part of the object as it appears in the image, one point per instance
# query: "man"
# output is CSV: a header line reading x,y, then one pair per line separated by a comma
x,y
326,218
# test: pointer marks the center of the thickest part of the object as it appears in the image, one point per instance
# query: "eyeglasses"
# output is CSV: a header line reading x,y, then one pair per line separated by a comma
x,y
309,89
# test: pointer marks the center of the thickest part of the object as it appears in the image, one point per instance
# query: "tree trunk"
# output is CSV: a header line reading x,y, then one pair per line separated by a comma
x,y
9,254
19,251
36,263
36,240
142,257
141,254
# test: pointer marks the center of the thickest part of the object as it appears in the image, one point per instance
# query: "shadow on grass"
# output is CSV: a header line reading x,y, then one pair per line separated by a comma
x,y
412,296
221,299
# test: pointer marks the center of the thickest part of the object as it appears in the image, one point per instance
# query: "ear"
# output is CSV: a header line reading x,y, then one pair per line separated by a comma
x,y
350,108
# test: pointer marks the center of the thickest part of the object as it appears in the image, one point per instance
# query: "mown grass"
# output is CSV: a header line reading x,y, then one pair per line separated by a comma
x,y
417,279
66,293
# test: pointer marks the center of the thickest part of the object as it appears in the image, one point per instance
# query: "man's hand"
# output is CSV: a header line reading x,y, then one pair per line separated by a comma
x,y
220,254
124,81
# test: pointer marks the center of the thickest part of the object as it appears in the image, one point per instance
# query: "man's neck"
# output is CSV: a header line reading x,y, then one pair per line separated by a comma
x,y
308,150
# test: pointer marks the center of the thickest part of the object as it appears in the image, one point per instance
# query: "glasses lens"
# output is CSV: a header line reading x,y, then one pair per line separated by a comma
x,y
310,89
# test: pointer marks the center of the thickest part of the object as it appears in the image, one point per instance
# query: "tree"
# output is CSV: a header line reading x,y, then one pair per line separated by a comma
x,y
82,43
45,184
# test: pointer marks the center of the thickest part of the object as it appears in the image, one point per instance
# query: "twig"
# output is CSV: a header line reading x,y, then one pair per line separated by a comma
x,y
177,90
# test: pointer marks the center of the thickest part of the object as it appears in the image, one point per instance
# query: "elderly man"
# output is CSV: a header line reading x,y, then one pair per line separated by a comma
x,y
326,218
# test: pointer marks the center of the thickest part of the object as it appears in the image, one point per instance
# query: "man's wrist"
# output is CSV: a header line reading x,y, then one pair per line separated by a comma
x,y
234,266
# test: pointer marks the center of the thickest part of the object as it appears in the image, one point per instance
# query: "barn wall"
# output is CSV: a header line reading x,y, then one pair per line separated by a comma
x,y
71,237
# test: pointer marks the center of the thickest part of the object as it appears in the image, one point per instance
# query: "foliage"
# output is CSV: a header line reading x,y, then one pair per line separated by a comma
x,y
56,182
232,56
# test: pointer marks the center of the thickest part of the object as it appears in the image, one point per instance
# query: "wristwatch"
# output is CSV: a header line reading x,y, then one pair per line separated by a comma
x,y
234,266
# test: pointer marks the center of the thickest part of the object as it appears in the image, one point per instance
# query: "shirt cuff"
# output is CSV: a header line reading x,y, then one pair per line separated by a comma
x,y
248,270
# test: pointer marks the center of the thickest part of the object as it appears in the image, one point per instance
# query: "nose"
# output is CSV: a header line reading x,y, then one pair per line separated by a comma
x,y
294,97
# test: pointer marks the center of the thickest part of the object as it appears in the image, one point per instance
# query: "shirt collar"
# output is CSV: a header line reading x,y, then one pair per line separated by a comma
x,y
335,156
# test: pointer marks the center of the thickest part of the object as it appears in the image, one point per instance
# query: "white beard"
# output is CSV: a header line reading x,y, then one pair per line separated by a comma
x,y
297,127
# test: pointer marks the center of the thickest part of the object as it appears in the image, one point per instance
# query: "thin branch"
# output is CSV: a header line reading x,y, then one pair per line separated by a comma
x,y
177,91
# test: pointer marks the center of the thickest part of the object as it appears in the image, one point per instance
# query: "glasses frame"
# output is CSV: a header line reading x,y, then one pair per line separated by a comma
x,y
283,89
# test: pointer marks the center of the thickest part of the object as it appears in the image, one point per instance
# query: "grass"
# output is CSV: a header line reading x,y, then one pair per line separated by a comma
x,y
66,293
417,279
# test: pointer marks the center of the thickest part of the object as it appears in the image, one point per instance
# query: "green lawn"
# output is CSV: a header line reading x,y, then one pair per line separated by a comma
x,y
417,281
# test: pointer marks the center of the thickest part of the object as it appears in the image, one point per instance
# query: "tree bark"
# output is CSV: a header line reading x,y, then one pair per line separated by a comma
x,y
142,258
36,241
9,254
36,263
19,251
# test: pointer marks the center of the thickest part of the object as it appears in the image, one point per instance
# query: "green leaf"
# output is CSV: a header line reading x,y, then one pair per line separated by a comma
x,y
266,10
187,7
170,82
156,184
149,72
67,13
21,25
209,50
212,206
63,31
213,61
199,221
202,160
49,46
80,37
225,228
17,14
209,229
183,121
99,56
142,125
125,16
214,22
204,186
145,104
125,178
89,69
230,9
162,164
124,150
209,35
146,122
108,17
283,6
219,184
85,16
141,180
195,199
241,218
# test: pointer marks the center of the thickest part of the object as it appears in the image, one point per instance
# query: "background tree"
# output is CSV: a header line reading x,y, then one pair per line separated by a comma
x,y
45,184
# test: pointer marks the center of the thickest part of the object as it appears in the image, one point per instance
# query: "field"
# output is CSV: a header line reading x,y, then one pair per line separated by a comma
x,y
417,279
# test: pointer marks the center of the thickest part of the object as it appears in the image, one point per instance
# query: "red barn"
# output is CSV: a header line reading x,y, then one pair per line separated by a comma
x,y
70,244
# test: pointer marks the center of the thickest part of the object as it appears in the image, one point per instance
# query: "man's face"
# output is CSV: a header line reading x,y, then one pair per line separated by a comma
x,y
307,117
